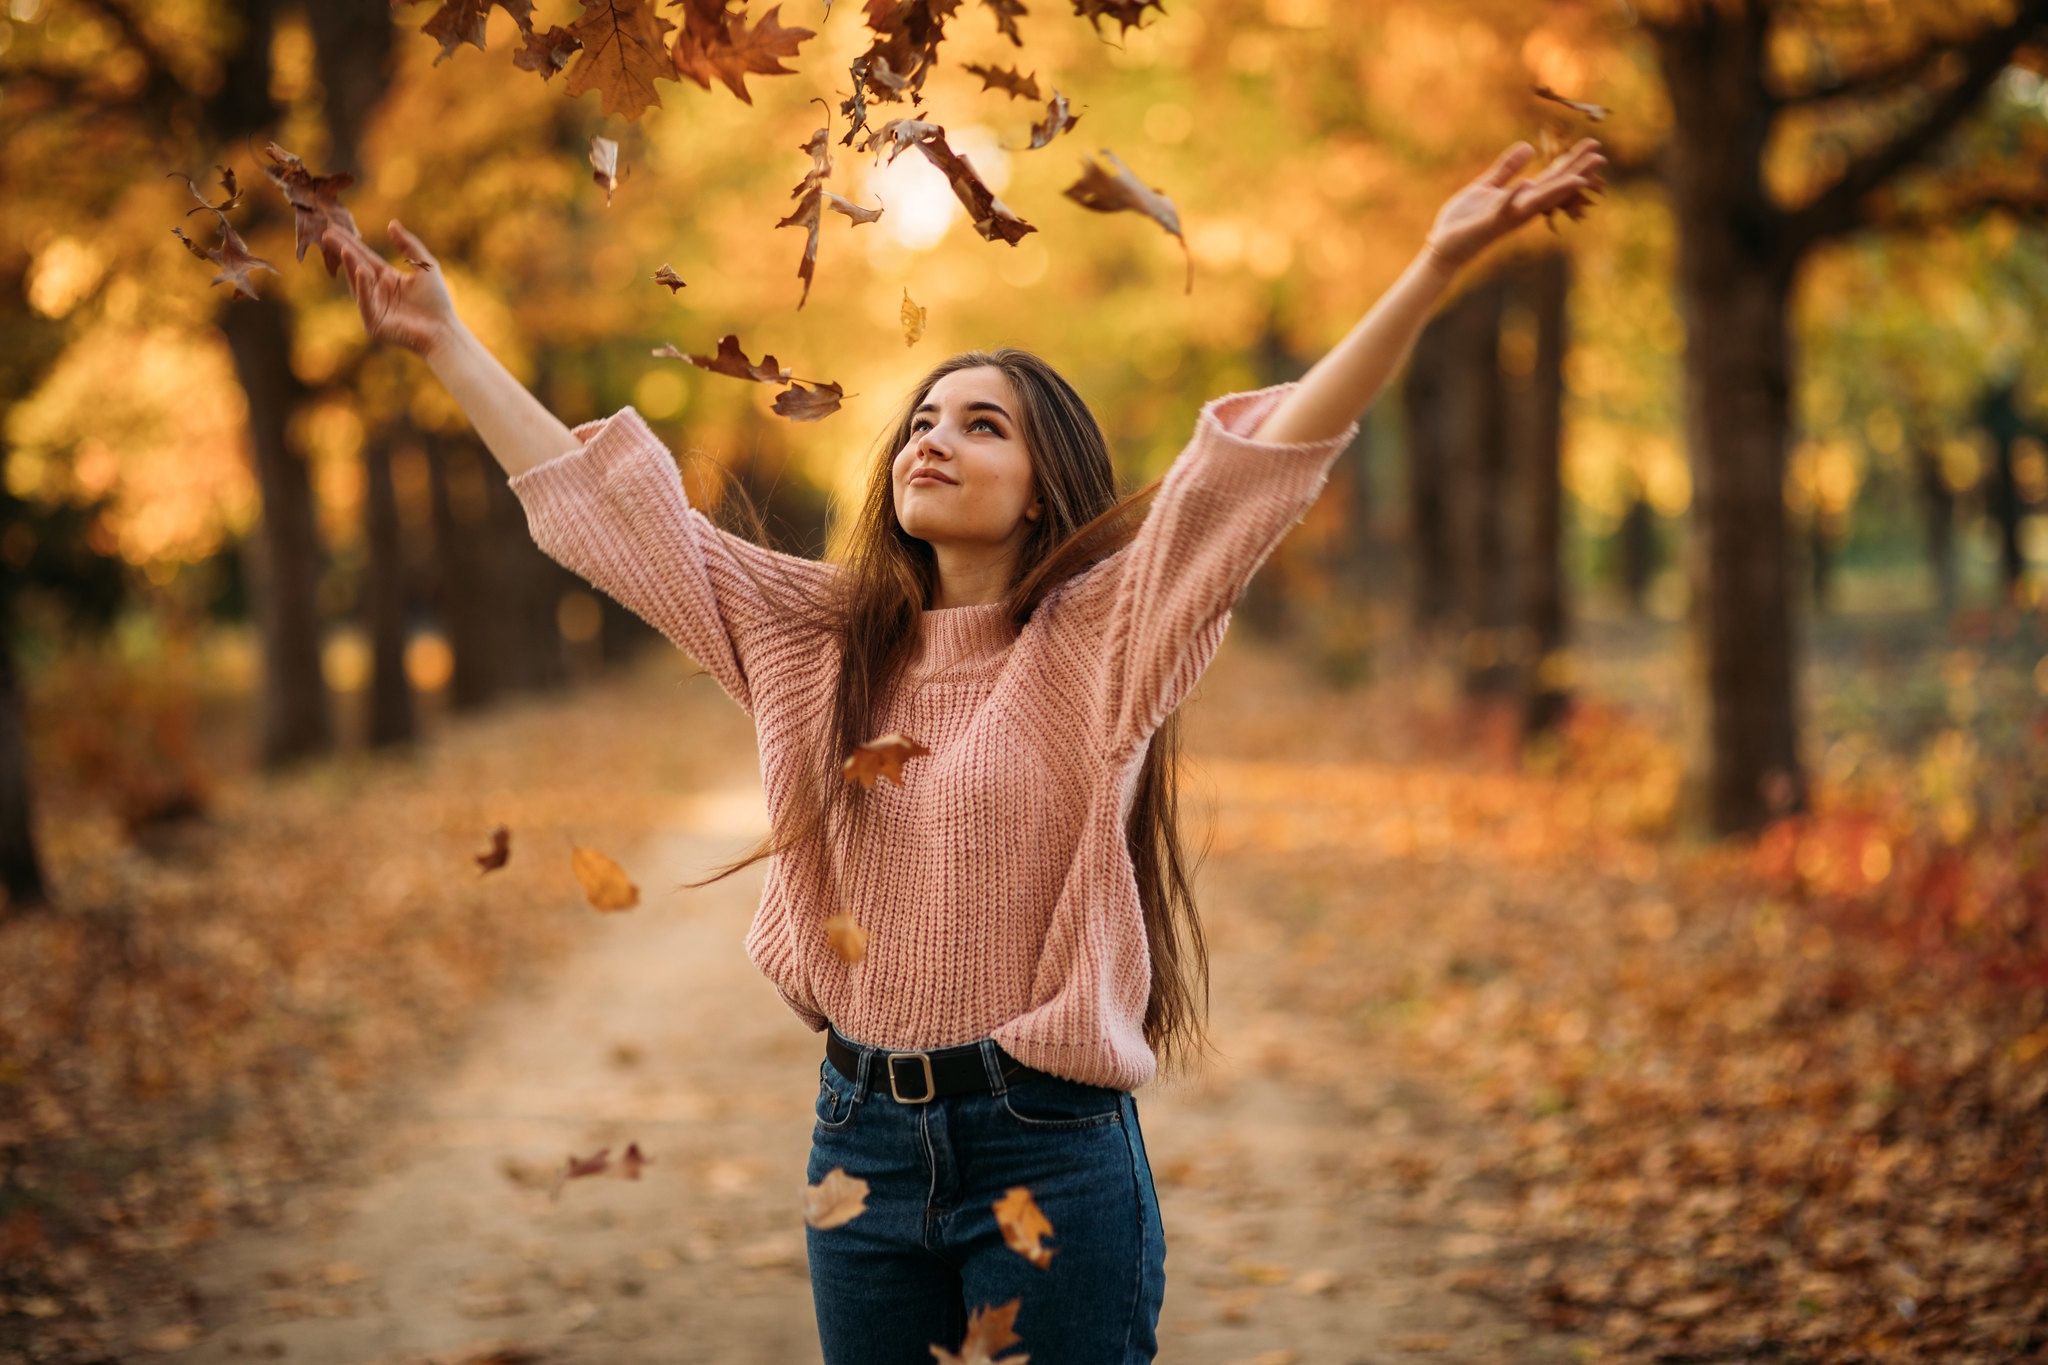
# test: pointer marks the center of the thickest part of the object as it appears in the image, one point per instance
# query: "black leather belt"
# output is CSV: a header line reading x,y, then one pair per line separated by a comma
x,y
920,1077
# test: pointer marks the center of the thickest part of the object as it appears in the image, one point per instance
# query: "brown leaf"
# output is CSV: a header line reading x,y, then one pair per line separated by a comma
x,y
624,52
667,276
1595,112
900,134
800,404
988,1330
1007,13
882,757
1125,12
462,21
605,884
904,51
631,1164
992,218
499,852
604,165
715,42
836,1200
232,256
913,320
547,52
314,205
1103,192
812,200
847,938
1011,81
1024,1226
576,1167
1056,121
733,363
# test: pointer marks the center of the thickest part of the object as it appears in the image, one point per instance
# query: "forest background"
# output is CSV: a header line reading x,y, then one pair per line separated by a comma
x,y
1730,500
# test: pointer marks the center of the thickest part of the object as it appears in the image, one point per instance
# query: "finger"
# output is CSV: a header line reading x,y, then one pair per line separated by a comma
x,y
412,245
353,250
1507,164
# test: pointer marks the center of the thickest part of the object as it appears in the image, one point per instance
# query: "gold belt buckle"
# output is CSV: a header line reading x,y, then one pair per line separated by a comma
x,y
931,1088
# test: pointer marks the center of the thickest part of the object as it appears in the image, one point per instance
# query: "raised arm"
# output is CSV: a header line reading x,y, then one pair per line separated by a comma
x,y
412,308
1342,385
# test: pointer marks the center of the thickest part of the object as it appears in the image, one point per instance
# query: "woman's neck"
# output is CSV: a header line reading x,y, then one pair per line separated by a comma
x,y
972,575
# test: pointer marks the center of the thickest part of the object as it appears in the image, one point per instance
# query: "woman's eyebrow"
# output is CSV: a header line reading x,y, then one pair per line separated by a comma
x,y
978,406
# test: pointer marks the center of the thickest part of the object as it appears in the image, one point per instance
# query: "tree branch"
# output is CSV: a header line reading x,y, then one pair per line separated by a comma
x,y
1876,78
1840,207
2022,201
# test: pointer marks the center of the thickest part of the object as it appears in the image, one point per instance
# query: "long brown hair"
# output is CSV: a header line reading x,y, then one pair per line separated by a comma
x,y
890,577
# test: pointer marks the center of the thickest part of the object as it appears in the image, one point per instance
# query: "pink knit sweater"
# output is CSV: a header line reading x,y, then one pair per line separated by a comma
x,y
995,884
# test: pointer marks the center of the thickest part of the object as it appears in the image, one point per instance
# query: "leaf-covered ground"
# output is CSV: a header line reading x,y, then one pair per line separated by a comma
x,y
1503,1076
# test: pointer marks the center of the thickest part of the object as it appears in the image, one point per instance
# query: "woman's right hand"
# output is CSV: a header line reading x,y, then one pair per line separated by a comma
x,y
409,308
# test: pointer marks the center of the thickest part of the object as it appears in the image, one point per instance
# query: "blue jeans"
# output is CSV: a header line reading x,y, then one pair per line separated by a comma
x,y
903,1275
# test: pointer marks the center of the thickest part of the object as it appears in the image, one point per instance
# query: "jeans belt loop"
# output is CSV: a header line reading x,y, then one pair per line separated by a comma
x,y
931,1086
991,1059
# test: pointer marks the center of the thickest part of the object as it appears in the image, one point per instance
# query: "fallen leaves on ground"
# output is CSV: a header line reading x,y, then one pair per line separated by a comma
x,y
605,884
1120,192
836,1200
1024,1226
879,758
848,939
989,1330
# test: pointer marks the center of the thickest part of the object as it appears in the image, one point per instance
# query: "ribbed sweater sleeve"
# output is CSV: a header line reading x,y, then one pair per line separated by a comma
x,y
1222,507
613,510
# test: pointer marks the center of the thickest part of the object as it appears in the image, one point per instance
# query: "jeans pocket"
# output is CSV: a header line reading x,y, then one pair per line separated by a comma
x,y
834,1109
1049,1104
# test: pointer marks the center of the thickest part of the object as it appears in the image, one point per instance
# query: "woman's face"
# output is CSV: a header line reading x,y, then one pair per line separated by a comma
x,y
964,477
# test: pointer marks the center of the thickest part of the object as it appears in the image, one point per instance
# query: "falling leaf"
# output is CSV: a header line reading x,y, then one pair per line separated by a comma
x,y
232,256
500,851
631,1164
547,52
597,1163
836,1200
988,1330
800,404
847,938
904,51
732,362
667,276
1125,12
314,205
913,320
882,757
624,52
1011,81
1057,120
812,200
900,134
1024,1226
716,42
604,165
1103,192
993,219
604,882
1007,13
1595,112
463,21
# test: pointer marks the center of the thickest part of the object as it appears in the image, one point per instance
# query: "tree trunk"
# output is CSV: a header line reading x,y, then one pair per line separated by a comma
x,y
1544,285
1422,405
528,590
1476,470
295,721
21,871
1735,269
391,710
461,590
1938,516
1637,551
1820,559
1999,416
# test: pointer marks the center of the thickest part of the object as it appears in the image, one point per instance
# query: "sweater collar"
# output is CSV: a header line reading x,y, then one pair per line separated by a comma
x,y
960,635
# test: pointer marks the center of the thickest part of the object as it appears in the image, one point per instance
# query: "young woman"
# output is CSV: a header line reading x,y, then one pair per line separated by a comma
x,y
1032,948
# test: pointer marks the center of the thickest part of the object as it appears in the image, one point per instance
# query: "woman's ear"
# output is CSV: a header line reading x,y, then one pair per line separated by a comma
x,y
1035,510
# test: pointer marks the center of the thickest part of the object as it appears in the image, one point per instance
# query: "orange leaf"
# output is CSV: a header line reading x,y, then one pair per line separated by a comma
x,y
717,42
625,51
988,1331
836,1200
880,758
605,884
1024,1226
848,939
462,21
913,320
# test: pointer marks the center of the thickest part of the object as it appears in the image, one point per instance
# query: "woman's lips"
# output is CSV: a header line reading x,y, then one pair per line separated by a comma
x,y
931,476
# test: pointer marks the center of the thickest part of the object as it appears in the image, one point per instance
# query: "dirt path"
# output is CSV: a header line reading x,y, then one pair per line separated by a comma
x,y
1290,1238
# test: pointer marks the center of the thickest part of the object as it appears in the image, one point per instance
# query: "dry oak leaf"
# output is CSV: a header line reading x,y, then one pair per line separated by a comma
x,y
605,884
993,219
1007,13
1024,1226
499,852
1058,119
232,256
1012,82
716,42
1595,112
668,276
463,21
989,1330
1125,12
604,165
314,206
847,938
624,52
732,362
836,1200
913,320
547,52
800,404
812,201
879,758
1103,192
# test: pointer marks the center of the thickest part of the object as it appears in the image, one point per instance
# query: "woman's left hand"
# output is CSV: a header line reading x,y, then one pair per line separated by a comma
x,y
1491,207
